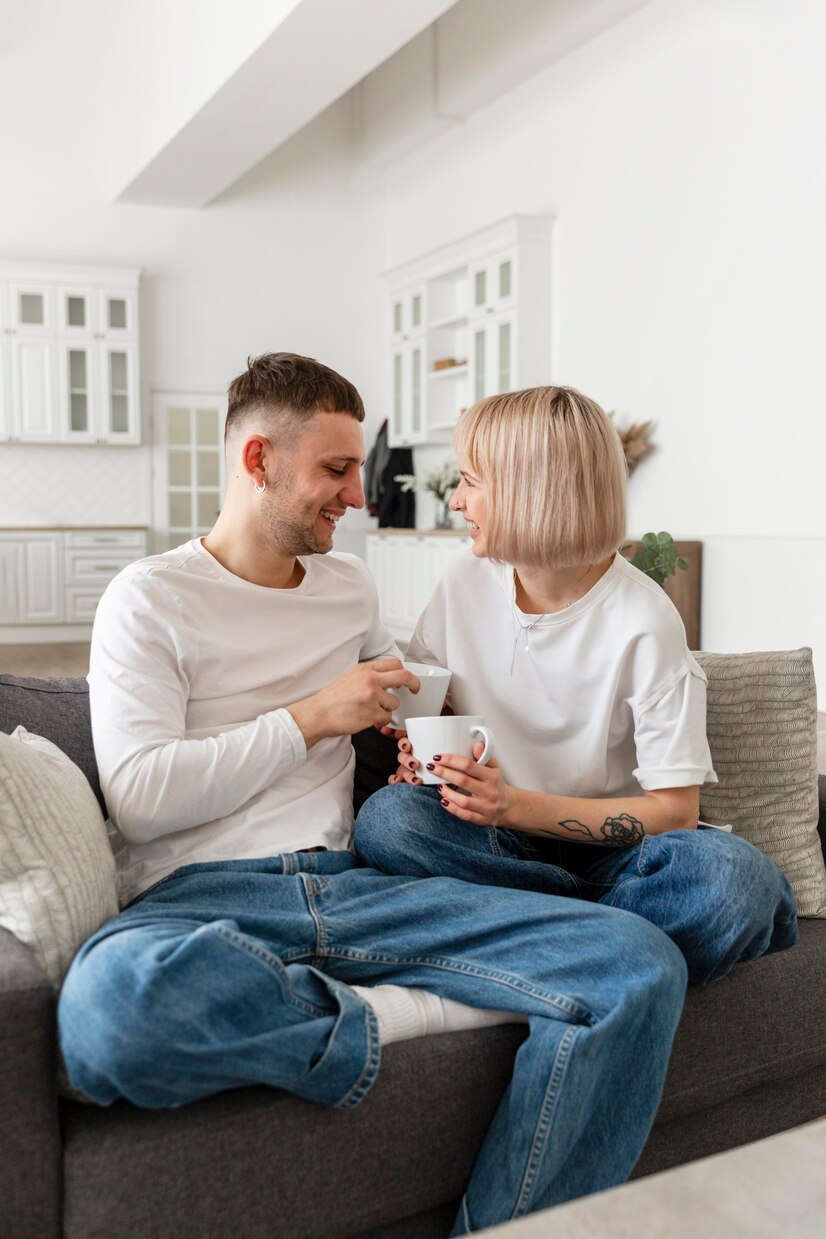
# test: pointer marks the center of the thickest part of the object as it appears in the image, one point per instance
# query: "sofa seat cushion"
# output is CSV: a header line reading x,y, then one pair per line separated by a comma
x,y
299,1169
761,1024
410,1146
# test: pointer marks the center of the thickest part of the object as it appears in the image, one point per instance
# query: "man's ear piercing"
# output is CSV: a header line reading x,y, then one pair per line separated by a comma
x,y
260,489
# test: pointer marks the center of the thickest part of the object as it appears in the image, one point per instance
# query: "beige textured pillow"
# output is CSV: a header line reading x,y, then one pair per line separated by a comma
x,y
762,732
57,872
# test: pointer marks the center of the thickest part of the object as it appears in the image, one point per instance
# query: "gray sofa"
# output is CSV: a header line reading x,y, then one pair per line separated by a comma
x,y
749,1060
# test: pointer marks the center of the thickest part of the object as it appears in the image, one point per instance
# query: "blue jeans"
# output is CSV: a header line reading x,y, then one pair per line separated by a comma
x,y
237,973
720,899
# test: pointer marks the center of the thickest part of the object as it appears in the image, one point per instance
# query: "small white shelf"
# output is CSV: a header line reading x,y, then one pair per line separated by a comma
x,y
449,372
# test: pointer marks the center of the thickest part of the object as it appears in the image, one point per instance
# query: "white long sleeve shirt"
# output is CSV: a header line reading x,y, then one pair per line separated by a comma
x,y
191,668
601,699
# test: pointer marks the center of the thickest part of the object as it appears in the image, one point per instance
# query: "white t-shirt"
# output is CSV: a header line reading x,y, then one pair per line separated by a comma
x,y
600,699
191,667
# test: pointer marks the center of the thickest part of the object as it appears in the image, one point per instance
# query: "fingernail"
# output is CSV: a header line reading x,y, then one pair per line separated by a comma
x,y
411,765
437,757
430,766
417,781
444,802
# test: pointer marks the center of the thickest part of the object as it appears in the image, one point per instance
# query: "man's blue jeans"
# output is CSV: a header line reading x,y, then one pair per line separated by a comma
x,y
720,899
232,974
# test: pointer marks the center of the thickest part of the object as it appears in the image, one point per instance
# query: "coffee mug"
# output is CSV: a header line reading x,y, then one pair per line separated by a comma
x,y
447,733
429,699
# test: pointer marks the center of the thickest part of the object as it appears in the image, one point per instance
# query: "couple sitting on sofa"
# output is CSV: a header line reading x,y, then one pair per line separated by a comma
x,y
564,888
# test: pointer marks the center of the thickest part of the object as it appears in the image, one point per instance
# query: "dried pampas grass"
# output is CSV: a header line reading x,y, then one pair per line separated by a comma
x,y
635,442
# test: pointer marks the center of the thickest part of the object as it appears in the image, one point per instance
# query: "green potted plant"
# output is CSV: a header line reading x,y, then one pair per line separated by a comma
x,y
658,557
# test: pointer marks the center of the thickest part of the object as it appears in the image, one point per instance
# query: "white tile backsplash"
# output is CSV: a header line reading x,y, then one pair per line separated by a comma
x,y
71,485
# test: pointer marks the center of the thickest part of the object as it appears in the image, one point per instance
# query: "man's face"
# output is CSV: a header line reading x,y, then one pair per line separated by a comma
x,y
314,484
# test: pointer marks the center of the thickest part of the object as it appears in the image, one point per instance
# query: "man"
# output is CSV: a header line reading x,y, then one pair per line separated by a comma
x,y
226,679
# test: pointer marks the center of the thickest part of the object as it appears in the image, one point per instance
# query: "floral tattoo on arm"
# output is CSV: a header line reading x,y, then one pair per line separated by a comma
x,y
621,832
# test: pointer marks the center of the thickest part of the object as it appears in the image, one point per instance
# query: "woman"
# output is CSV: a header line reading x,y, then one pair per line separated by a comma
x,y
578,662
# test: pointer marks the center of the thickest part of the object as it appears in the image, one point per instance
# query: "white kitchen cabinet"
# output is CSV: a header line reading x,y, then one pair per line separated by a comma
x,y
72,354
57,577
467,321
10,579
406,568
35,581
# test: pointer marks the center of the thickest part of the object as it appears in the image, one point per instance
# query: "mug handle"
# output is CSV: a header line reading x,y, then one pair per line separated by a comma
x,y
485,734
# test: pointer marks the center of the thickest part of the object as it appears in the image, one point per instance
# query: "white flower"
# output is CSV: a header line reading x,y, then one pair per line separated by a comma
x,y
440,482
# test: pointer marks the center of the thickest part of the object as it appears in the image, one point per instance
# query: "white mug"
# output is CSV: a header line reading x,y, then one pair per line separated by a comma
x,y
447,733
429,699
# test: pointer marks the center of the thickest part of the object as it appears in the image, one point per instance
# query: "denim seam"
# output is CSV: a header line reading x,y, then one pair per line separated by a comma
x,y
362,1085
242,943
313,886
544,1122
445,965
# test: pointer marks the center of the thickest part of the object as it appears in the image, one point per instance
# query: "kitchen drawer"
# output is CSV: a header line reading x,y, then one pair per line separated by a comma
x,y
88,567
81,603
120,539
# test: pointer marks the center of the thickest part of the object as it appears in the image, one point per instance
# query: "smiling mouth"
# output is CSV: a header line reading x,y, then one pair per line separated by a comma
x,y
332,517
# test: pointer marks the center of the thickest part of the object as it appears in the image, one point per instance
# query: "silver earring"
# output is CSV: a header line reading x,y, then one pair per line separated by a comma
x,y
260,489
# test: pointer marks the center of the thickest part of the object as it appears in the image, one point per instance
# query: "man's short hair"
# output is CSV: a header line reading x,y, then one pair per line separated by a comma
x,y
554,470
288,390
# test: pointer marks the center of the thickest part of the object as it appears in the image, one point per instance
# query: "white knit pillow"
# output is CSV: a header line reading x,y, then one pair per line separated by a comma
x,y
57,872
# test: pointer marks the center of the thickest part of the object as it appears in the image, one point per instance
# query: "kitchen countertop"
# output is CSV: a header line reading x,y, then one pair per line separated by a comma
x,y
418,533
68,528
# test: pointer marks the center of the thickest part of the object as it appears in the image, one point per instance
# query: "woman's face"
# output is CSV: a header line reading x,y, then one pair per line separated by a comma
x,y
469,498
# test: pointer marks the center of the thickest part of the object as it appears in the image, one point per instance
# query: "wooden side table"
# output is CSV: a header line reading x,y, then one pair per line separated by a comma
x,y
684,588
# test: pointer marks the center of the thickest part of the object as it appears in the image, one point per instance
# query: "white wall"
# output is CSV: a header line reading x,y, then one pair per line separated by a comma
x,y
287,259
681,153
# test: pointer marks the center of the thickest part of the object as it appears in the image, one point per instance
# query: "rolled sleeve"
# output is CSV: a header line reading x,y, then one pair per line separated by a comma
x,y
670,736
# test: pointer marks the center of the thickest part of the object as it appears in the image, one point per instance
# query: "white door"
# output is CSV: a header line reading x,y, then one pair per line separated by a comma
x,y
188,465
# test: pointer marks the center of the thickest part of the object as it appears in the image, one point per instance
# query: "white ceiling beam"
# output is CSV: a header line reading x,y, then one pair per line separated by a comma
x,y
318,52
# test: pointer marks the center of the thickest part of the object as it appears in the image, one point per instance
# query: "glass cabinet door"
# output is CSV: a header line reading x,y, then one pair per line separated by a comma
x,y
32,310
119,421
77,391
416,371
397,412
76,312
117,313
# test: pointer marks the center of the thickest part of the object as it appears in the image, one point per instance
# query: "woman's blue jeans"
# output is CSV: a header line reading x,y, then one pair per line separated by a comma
x,y
714,894
238,973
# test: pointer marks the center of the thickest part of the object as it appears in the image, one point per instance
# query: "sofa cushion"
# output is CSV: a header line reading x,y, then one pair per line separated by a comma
x,y
57,708
57,872
762,732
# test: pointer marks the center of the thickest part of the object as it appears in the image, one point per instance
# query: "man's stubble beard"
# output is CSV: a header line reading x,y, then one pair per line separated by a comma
x,y
285,528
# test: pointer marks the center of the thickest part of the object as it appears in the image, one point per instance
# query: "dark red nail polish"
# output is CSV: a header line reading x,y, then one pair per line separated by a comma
x,y
437,757
430,766
444,802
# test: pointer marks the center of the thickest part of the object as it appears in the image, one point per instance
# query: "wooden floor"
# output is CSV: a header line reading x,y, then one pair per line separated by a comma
x,y
74,660
44,659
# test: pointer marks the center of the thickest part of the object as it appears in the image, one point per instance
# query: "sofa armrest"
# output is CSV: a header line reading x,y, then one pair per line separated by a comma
x,y
30,1144
821,824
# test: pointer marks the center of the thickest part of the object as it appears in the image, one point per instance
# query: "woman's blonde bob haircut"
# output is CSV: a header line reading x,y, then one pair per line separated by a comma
x,y
554,472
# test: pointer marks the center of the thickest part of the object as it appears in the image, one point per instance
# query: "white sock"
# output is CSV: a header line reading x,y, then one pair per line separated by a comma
x,y
404,1012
